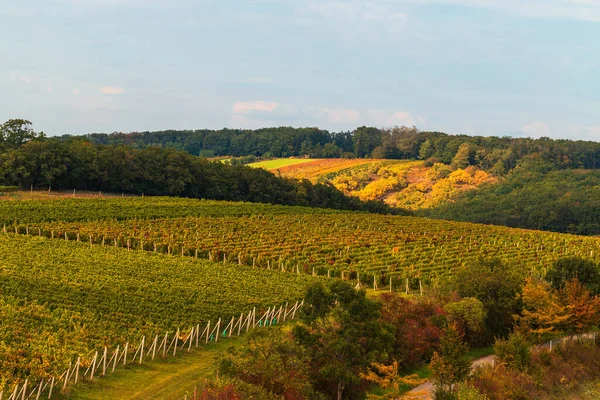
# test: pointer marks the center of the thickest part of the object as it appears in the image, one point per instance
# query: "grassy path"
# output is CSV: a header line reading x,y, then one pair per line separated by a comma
x,y
168,379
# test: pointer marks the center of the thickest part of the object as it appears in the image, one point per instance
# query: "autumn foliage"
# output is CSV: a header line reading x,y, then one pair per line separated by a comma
x,y
419,324
571,309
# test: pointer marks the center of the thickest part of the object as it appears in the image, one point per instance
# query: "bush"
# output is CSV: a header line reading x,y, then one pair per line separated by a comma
x,y
6,189
515,351
466,391
556,374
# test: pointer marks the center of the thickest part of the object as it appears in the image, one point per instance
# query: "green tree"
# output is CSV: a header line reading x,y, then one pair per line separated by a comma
x,y
468,316
426,150
497,285
15,132
342,334
565,269
463,157
451,364
271,360
366,140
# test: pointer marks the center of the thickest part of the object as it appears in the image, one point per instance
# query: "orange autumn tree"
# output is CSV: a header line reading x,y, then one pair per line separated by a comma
x,y
543,311
571,309
582,308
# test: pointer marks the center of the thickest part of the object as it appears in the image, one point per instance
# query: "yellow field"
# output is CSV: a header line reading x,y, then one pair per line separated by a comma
x,y
319,168
279,163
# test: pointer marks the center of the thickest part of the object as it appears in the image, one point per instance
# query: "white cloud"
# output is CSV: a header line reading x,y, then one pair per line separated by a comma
x,y
76,91
244,107
25,80
536,129
49,89
401,118
383,118
339,115
112,90
389,14
580,132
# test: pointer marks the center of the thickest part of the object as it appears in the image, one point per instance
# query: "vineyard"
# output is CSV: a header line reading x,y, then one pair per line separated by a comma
x,y
80,274
61,300
68,208
326,168
372,249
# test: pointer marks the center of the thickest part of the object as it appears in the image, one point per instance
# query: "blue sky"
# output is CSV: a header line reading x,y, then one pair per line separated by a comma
x,y
487,67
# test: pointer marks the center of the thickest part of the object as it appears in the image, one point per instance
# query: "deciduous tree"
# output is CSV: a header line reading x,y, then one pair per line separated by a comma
x,y
343,334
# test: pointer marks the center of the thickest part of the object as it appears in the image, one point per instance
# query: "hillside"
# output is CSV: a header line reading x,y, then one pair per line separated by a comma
x,y
560,201
408,185
533,195
378,170
293,239
82,273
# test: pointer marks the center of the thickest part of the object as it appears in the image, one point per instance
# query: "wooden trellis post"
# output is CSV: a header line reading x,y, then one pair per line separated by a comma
x,y
125,353
77,369
164,344
104,361
116,355
142,347
176,340
66,374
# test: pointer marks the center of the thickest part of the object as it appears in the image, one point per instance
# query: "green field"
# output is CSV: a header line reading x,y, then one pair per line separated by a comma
x,y
329,243
66,208
61,300
280,163
81,274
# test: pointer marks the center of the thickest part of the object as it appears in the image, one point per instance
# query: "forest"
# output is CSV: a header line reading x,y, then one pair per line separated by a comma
x,y
500,154
29,160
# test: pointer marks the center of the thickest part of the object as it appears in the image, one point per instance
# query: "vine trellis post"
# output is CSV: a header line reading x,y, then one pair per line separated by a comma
x,y
101,364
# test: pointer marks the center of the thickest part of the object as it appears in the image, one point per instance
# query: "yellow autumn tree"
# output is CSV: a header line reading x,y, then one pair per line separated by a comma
x,y
387,377
543,309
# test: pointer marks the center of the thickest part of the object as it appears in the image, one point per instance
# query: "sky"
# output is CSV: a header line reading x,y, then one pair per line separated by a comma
x,y
477,67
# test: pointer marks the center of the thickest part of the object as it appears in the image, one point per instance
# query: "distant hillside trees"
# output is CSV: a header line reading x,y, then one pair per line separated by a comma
x,y
77,164
496,154
533,195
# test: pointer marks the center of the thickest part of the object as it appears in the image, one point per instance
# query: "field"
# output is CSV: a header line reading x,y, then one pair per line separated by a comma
x,y
355,246
324,169
64,299
38,208
278,163
74,277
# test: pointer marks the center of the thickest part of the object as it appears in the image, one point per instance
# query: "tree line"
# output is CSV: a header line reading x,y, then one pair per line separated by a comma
x,y
498,154
31,160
